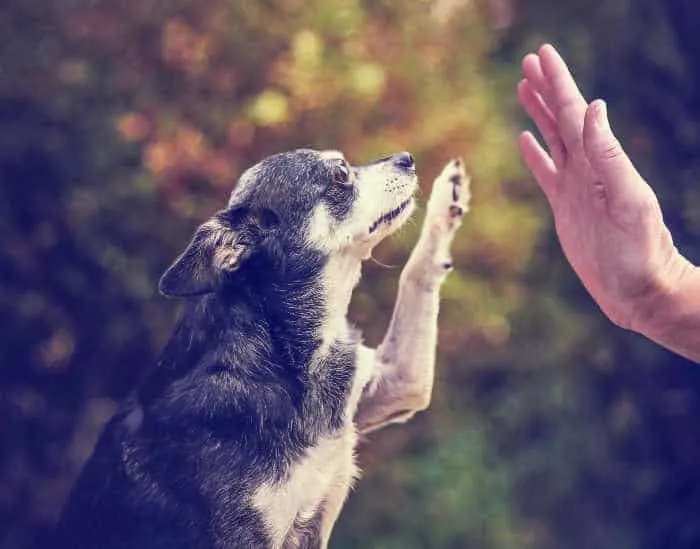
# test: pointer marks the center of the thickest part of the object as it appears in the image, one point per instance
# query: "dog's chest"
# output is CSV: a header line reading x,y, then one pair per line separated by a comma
x,y
322,477
317,483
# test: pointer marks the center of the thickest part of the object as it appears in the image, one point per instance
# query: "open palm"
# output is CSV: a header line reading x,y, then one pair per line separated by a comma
x,y
607,217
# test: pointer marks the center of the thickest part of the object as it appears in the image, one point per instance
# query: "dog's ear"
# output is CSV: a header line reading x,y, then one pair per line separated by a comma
x,y
218,248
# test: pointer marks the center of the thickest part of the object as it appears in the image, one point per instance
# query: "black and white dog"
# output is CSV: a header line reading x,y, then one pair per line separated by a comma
x,y
244,435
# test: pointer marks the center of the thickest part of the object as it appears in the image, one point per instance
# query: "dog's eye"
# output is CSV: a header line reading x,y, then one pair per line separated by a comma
x,y
341,176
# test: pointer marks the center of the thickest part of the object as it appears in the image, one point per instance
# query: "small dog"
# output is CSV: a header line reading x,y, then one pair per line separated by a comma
x,y
244,435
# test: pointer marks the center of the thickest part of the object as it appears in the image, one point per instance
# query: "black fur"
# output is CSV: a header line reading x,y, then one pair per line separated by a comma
x,y
231,403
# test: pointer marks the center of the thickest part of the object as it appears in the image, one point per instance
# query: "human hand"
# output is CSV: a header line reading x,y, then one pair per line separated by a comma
x,y
607,217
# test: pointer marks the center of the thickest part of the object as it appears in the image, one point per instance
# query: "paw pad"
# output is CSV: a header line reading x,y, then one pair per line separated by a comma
x,y
449,199
456,181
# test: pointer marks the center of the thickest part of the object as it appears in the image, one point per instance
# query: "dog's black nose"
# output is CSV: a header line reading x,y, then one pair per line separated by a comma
x,y
404,160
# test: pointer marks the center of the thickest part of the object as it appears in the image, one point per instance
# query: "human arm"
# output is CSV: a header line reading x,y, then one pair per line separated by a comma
x,y
607,218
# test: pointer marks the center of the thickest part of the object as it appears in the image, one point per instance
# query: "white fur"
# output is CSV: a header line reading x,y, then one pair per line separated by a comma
x,y
323,477
325,470
340,276
332,154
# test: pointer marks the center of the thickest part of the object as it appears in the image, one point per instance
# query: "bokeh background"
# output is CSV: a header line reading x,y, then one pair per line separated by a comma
x,y
125,123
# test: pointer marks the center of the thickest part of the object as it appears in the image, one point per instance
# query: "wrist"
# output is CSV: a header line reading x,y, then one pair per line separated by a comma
x,y
669,299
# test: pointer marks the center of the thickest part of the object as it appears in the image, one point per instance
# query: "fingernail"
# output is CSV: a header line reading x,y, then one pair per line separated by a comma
x,y
602,115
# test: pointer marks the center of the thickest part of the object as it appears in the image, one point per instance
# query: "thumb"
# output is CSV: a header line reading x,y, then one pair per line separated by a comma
x,y
604,152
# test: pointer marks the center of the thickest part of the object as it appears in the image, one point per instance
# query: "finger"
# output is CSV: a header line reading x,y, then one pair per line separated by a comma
x,y
566,101
563,88
605,154
544,120
532,70
539,163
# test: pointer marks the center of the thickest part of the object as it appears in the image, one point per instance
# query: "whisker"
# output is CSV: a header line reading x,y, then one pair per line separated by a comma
x,y
377,262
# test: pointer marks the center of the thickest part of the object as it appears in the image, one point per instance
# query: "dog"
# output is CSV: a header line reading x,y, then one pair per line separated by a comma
x,y
244,435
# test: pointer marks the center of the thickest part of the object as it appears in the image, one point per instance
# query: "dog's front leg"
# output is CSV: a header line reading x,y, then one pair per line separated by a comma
x,y
405,361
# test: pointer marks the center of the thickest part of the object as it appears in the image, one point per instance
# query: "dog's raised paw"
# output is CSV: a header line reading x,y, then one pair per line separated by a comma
x,y
449,200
